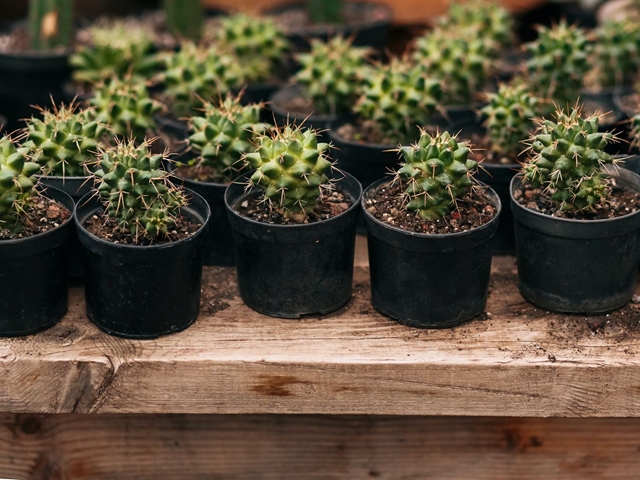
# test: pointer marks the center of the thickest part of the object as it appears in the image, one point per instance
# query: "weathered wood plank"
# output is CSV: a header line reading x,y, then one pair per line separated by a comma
x,y
514,361
91,447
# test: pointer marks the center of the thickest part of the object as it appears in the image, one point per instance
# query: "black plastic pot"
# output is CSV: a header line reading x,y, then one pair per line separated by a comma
x,y
631,163
577,266
172,127
429,281
619,101
33,278
373,34
143,291
462,113
288,271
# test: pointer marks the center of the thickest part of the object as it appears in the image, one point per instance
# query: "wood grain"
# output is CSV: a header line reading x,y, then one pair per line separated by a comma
x,y
96,447
514,361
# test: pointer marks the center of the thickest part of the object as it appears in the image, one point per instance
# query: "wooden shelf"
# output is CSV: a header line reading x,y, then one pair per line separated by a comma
x,y
515,361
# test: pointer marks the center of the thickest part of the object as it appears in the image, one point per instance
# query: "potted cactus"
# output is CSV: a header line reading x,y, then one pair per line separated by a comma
x,y
431,224
219,137
294,210
137,230
576,219
32,251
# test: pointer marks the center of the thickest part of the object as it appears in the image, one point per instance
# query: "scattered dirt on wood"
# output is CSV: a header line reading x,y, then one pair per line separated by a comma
x,y
296,20
219,290
42,215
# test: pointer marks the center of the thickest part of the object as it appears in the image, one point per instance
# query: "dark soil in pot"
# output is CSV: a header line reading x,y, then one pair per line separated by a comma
x,y
368,23
290,270
33,280
578,265
429,274
136,291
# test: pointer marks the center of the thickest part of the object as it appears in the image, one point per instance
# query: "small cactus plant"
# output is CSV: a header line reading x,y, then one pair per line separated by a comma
x,y
64,141
397,98
567,159
332,74
558,63
510,119
635,131
257,42
17,181
436,171
125,107
617,52
291,167
136,190
185,18
50,23
222,135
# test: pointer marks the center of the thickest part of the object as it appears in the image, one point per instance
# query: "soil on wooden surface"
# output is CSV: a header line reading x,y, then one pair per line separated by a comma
x,y
296,19
18,41
472,211
622,202
331,204
43,214
106,228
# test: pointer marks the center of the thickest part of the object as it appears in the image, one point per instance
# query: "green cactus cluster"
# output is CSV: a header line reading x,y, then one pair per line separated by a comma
x,y
398,98
64,141
291,167
332,73
258,43
125,107
558,64
567,159
196,74
436,171
222,135
617,52
509,119
17,179
136,190
117,48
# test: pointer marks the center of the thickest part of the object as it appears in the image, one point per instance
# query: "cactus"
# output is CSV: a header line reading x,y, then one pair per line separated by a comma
x,y
567,158
291,167
136,190
16,184
325,11
509,119
558,63
197,74
50,23
332,74
64,141
617,52
185,18
397,98
436,171
125,107
635,131
117,49
223,134
257,42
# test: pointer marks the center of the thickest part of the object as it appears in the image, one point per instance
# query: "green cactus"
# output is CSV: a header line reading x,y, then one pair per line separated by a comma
x,y
257,42
510,119
136,190
567,159
117,48
197,74
558,63
50,23
185,18
635,131
617,52
64,141
125,107
332,74
484,17
436,171
291,167
398,98
222,135
325,11
16,184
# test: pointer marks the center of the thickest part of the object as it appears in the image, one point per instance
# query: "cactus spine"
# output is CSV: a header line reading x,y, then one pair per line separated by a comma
x,y
185,18
325,11
436,171
50,23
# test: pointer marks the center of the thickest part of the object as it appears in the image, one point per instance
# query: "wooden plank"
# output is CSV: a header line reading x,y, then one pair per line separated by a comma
x,y
90,447
514,361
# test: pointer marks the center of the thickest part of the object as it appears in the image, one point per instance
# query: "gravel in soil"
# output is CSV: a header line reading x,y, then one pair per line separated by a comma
x,y
369,132
43,214
18,41
622,202
296,20
331,204
199,173
388,205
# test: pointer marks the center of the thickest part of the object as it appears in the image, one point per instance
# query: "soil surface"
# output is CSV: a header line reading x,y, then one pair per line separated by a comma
x,y
472,211
18,41
43,214
203,174
299,106
368,132
296,20
631,103
331,204
622,202
481,151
